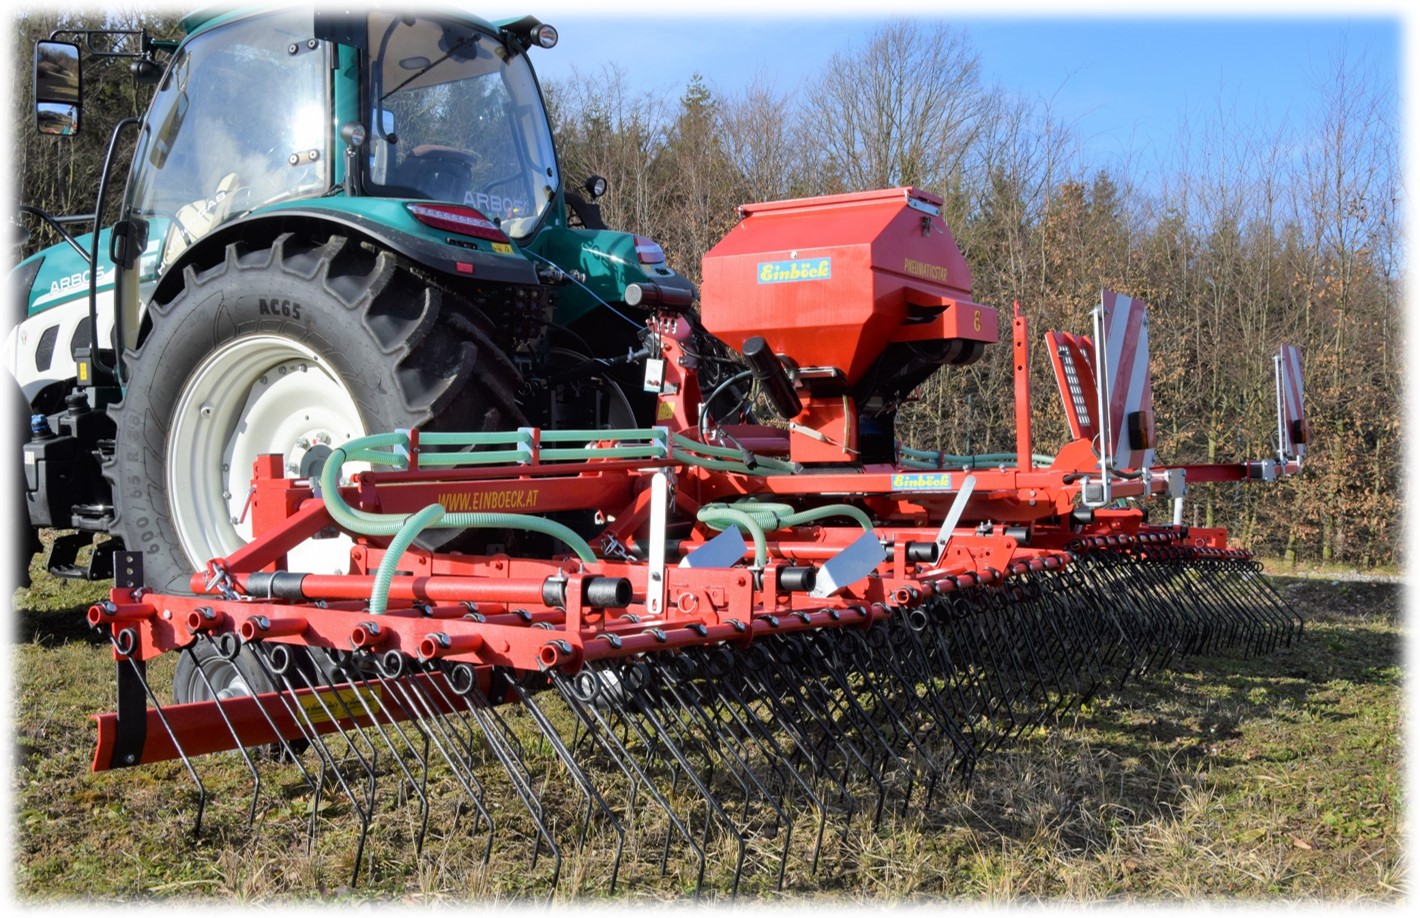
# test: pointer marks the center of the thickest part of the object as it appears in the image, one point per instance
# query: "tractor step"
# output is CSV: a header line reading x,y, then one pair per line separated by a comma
x,y
63,558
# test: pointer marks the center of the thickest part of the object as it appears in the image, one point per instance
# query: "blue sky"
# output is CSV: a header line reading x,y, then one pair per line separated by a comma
x,y
1124,82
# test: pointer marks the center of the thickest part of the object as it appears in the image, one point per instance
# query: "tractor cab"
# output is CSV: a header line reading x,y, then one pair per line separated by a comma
x,y
456,116
438,110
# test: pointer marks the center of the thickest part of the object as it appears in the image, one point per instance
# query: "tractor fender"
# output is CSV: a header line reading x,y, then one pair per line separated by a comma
x,y
430,253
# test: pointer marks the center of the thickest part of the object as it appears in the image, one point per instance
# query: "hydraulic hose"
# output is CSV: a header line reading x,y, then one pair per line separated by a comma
x,y
406,527
759,517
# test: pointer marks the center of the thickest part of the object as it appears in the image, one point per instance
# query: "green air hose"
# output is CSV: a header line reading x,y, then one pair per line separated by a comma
x,y
932,459
413,525
406,527
724,459
759,517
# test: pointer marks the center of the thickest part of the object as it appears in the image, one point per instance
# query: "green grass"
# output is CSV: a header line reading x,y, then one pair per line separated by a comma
x,y
1271,779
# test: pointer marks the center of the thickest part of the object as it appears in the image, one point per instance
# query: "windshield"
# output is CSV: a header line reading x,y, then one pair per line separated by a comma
x,y
458,117
218,142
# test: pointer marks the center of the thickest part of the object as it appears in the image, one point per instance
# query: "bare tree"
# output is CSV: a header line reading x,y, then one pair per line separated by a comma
x,y
763,142
903,109
606,129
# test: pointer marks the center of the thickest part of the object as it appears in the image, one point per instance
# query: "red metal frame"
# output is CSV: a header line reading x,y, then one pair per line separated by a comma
x,y
496,610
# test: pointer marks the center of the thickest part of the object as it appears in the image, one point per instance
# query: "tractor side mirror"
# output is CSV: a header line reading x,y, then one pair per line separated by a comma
x,y
57,88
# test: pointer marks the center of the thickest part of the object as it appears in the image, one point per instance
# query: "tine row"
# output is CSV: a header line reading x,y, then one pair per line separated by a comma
x,y
722,767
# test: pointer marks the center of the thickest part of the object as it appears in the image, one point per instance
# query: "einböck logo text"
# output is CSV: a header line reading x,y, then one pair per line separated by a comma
x,y
803,269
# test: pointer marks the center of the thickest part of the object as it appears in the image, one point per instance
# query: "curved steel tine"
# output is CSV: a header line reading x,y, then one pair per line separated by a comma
x,y
635,748
578,775
434,718
227,721
349,736
134,680
761,737
872,690
701,699
611,741
813,698
459,741
500,738
758,715
655,732
387,724
916,688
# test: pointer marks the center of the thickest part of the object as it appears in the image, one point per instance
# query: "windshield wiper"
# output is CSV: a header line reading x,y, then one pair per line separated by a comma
x,y
471,39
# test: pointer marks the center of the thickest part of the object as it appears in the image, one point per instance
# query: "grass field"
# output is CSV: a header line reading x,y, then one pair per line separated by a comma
x,y
1266,780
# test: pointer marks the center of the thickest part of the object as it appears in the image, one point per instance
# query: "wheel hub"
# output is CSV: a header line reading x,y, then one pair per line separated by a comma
x,y
253,396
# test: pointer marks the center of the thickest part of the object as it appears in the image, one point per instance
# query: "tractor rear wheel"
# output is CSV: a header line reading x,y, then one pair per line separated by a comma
x,y
292,348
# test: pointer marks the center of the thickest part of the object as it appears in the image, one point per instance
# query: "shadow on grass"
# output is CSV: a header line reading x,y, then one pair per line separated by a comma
x,y
55,626
1157,732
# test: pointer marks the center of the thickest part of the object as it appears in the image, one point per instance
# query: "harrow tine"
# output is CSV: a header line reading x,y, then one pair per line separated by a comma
x,y
503,741
714,667
328,756
973,648
579,778
134,690
658,732
434,707
1238,586
1287,624
1042,689
828,759
926,688
832,666
1116,644
807,699
325,759
962,698
227,722
590,699
1252,604
842,712
693,706
1045,616
1130,592
756,717
402,688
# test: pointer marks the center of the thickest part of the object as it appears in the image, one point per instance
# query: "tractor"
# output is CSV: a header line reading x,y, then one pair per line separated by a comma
x,y
333,224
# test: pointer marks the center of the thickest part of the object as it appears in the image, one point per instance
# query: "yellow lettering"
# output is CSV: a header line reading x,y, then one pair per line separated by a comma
x,y
922,269
340,703
490,501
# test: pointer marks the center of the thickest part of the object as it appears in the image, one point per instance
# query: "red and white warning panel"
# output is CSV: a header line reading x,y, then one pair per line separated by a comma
x,y
1292,430
1129,389
1124,387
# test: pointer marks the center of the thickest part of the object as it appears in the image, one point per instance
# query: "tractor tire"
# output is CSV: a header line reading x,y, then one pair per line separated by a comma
x,y
293,347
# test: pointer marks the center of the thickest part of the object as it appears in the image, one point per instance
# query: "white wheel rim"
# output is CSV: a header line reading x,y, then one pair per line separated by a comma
x,y
252,396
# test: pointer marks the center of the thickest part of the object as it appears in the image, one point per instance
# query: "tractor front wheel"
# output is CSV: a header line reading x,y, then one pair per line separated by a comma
x,y
293,348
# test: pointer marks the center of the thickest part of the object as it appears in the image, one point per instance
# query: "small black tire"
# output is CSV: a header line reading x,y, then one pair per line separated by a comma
x,y
203,673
